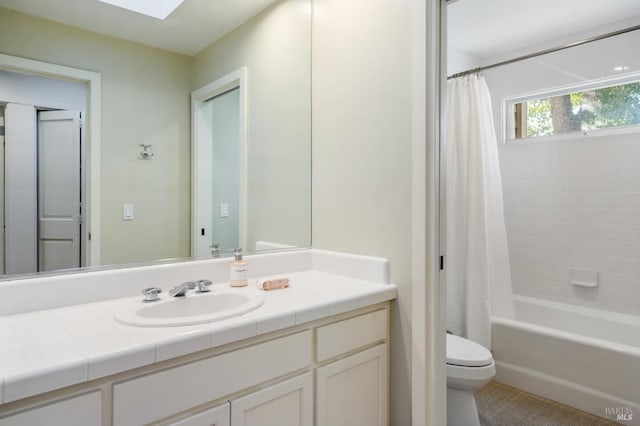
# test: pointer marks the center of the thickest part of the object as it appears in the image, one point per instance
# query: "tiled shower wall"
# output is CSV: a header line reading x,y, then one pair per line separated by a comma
x,y
575,204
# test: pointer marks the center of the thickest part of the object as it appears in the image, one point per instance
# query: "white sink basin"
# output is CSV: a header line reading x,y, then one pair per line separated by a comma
x,y
194,308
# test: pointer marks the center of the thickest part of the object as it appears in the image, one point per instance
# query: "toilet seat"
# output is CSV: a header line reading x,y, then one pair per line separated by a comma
x,y
470,377
465,353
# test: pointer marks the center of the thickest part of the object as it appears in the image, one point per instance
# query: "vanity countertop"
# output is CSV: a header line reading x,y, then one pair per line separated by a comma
x,y
53,348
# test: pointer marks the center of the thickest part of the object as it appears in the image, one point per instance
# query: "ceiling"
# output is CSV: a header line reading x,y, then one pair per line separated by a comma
x,y
193,26
482,28
486,28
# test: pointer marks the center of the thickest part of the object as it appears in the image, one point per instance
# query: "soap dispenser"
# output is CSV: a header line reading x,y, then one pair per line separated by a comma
x,y
238,270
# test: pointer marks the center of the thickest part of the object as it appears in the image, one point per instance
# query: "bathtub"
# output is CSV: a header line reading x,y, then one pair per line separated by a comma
x,y
582,357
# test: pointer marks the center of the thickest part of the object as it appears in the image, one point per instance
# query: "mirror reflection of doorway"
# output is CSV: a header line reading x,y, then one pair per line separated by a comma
x,y
219,165
41,168
225,169
42,190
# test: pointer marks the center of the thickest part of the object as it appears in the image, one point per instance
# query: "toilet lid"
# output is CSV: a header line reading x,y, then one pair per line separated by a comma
x,y
466,353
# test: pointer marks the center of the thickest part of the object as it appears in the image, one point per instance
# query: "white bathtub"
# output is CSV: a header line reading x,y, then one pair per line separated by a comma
x,y
582,357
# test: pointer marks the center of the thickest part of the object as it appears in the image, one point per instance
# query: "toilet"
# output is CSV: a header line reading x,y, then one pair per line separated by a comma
x,y
469,367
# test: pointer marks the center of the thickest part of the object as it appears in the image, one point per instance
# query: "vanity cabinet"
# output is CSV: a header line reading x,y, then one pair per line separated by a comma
x,y
82,410
353,391
289,403
329,372
159,395
217,416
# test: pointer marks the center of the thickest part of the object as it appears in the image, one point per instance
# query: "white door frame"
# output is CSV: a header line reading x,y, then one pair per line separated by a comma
x,y
91,134
428,311
235,79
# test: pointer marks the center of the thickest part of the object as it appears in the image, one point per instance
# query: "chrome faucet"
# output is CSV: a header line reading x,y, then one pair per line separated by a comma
x,y
181,290
151,294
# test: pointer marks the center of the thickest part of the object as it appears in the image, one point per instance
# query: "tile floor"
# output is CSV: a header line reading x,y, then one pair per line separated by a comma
x,y
502,405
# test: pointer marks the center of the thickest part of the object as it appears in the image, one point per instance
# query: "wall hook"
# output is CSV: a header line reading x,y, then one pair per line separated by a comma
x,y
146,153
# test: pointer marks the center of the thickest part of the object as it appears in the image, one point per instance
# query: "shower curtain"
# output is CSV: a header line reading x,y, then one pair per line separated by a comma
x,y
476,255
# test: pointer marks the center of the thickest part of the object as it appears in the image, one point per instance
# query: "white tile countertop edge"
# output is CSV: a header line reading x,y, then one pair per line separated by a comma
x,y
53,348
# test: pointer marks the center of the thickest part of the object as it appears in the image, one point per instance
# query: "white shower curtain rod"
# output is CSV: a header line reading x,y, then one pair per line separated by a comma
x,y
544,52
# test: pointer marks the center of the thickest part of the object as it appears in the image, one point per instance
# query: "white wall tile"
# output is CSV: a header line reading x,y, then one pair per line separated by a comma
x,y
623,282
571,204
631,301
614,232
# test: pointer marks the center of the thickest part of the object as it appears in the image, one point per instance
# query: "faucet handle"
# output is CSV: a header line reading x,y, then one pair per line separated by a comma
x,y
151,294
203,286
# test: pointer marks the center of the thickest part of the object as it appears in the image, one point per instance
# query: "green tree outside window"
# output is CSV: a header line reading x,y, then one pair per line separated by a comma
x,y
583,111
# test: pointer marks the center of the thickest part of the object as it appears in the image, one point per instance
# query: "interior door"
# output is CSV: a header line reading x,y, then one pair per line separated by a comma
x,y
220,167
20,190
59,189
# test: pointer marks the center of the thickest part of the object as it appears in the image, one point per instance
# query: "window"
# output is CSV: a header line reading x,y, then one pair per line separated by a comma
x,y
586,110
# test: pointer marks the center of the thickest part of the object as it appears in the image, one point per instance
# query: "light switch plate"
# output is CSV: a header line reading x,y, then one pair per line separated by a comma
x,y
224,210
127,212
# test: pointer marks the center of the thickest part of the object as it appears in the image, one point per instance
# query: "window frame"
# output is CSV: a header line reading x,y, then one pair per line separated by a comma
x,y
509,111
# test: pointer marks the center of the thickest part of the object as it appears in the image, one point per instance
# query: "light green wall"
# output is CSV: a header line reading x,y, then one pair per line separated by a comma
x,y
275,48
362,188
145,99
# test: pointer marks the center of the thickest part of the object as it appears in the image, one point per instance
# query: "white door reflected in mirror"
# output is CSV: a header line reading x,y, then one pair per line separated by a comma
x,y
219,158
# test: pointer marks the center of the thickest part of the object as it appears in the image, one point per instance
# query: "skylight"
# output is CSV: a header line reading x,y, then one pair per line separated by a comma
x,y
158,9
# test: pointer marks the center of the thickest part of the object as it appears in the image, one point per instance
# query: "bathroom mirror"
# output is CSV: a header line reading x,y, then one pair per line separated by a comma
x,y
145,156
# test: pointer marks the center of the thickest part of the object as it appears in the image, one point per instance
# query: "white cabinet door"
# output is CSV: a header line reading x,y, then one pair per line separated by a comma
x,y
353,391
84,410
289,403
217,416
181,388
